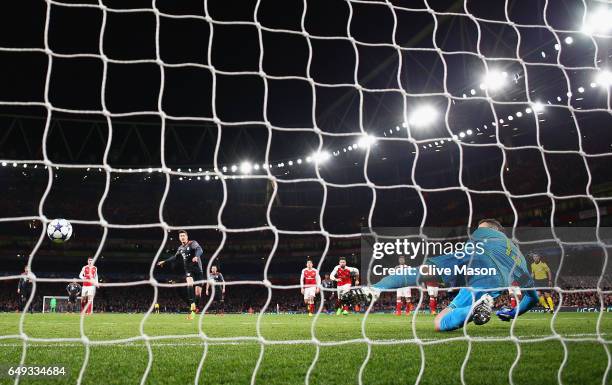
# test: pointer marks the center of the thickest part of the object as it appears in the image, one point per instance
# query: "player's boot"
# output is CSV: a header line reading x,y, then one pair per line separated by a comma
x,y
192,310
482,310
339,311
345,312
309,314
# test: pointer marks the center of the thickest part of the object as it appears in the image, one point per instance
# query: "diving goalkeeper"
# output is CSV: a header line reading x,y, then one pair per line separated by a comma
x,y
475,304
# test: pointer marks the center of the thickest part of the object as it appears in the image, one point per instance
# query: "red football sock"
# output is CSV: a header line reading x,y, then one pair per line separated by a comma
x,y
512,302
345,307
398,307
311,308
433,304
408,308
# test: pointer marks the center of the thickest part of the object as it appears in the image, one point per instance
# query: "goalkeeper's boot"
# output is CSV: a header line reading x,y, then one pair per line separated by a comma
x,y
358,295
345,312
339,311
482,310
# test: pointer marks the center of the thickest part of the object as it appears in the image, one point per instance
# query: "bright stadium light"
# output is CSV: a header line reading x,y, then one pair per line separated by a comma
x,y
423,116
256,167
495,80
366,141
321,156
598,22
245,167
234,168
604,78
538,107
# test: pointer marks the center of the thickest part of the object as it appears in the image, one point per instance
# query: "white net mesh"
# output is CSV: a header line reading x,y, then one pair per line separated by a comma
x,y
522,104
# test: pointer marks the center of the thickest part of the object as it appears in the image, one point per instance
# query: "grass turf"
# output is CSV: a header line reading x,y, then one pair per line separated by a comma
x,y
177,350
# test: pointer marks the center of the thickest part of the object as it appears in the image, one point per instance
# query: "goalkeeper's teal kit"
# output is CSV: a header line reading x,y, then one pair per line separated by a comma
x,y
497,253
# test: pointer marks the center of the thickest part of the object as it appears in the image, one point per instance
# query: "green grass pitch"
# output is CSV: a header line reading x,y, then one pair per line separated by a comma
x,y
177,350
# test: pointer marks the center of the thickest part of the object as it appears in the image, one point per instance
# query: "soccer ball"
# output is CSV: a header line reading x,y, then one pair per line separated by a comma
x,y
59,230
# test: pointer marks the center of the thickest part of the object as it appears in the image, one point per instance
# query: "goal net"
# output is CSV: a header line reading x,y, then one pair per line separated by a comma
x,y
350,116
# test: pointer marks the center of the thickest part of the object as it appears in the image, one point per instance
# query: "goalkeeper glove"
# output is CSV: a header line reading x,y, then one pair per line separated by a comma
x,y
506,314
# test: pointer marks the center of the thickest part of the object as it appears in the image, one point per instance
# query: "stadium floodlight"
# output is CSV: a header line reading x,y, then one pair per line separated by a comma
x,y
207,177
320,156
569,40
604,78
256,167
598,22
366,141
495,80
224,168
234,168
538,107
245,167
469,132
299,161
3,164
423,116
290,163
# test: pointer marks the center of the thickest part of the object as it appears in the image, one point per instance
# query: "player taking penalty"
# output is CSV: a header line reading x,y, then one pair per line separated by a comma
x,y
191,255
310,280
89,276
475,301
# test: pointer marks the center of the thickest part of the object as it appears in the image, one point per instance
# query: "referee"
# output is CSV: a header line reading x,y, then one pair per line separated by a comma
x,y
540,272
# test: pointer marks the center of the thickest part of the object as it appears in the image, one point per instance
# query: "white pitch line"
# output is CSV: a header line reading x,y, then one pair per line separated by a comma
x,y
141,344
